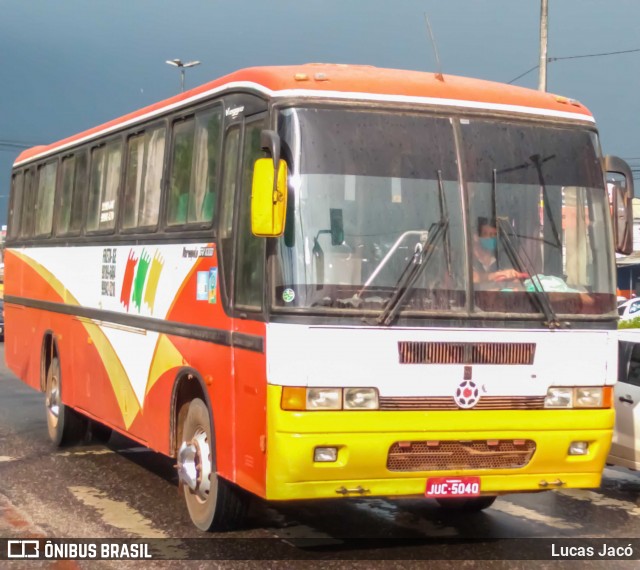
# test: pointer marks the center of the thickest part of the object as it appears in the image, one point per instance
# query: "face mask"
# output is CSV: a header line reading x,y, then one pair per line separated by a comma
x,y
488,243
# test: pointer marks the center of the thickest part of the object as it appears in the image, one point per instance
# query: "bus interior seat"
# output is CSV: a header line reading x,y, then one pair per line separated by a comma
x,y
181,209
208,204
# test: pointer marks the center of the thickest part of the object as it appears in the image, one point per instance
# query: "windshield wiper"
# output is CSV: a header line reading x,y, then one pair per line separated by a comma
x,y
388,256
419,261
524,265
538,161
444,215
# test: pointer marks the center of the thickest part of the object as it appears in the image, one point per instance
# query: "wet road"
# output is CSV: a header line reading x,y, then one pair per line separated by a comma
x,y
122,490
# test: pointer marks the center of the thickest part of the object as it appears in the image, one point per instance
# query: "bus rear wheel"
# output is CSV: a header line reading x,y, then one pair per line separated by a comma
x,y
467,504
214,504
65,425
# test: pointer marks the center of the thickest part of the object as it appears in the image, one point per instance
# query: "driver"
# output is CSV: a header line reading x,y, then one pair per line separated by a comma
x,y
485,262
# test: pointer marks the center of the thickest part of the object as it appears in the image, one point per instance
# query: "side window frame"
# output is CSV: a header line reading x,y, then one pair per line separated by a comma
x,y
15,205
60,192
244,199
178,120
143,131
78,190
211,107
118,194
226,257
39,170
27,211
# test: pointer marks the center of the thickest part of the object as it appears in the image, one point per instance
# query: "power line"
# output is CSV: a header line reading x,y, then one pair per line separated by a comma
x,y
551,59
594,54
13,145
16,144
523,74
19,142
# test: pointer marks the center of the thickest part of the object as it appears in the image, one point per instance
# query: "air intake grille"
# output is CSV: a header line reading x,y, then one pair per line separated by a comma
x,y
466,352
455,455
417,403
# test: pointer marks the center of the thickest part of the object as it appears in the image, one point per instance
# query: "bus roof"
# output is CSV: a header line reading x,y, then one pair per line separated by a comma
x,y
354,82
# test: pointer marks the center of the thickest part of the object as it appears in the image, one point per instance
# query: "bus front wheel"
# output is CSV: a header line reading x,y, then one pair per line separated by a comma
x,y
214,504
65,425
467,504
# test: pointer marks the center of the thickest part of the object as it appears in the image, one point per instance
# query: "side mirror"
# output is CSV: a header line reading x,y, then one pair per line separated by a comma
x,y
269,189
619,179
268,198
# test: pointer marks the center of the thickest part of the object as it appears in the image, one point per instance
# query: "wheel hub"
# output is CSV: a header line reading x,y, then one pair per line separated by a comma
x,y
194,464
52,399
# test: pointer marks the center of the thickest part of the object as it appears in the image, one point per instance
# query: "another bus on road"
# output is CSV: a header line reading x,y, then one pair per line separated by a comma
x,y
325,281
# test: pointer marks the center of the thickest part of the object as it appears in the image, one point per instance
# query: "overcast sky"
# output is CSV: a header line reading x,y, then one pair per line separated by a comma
x,y
68,65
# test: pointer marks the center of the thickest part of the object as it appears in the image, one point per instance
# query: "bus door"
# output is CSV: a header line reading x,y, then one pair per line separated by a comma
x,y
243,257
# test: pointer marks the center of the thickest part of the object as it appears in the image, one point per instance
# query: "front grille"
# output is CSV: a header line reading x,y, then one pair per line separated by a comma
x,y
417,403
414,352
455,455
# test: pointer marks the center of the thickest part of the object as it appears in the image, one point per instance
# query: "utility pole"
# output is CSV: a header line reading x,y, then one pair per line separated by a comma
x,y
544,16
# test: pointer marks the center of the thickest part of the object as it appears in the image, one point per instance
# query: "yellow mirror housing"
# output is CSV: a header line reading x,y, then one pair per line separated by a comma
x,y
268,200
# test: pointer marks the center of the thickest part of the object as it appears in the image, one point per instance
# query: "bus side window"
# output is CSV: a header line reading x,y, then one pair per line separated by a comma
x,y
106,163
205,169
45,197
67,179
225,224
145,157
72,184
180,181
249,279
194,168
17,194
26,215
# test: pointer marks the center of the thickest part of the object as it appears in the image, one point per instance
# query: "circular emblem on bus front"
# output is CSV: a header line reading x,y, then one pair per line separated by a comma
x,y
288,295
467,394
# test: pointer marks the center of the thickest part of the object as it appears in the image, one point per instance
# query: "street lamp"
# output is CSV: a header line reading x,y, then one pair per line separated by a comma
x,y
182,66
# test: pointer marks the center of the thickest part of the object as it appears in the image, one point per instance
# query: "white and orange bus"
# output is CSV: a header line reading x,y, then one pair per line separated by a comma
x,y
327,281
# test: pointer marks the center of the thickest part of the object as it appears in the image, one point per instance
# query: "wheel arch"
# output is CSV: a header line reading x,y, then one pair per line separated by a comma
x,y
188,385
48,349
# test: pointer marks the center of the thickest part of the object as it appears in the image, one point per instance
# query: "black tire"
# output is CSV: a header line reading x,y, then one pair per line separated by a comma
x,y
467,504
225,505
65,425
99,433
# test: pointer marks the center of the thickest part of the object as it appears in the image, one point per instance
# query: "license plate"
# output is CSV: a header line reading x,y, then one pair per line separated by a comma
x,y
453,487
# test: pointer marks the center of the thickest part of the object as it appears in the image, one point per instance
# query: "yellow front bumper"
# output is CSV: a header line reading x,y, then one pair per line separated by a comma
x,y
363,439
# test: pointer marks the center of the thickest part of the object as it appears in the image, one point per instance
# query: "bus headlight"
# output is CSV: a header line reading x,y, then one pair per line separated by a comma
x,y
588,397
559,398
579,397
360,399
298,398
324,398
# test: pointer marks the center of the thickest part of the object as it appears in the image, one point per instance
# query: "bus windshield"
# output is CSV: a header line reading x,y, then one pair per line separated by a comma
x,y
375,216
542,188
